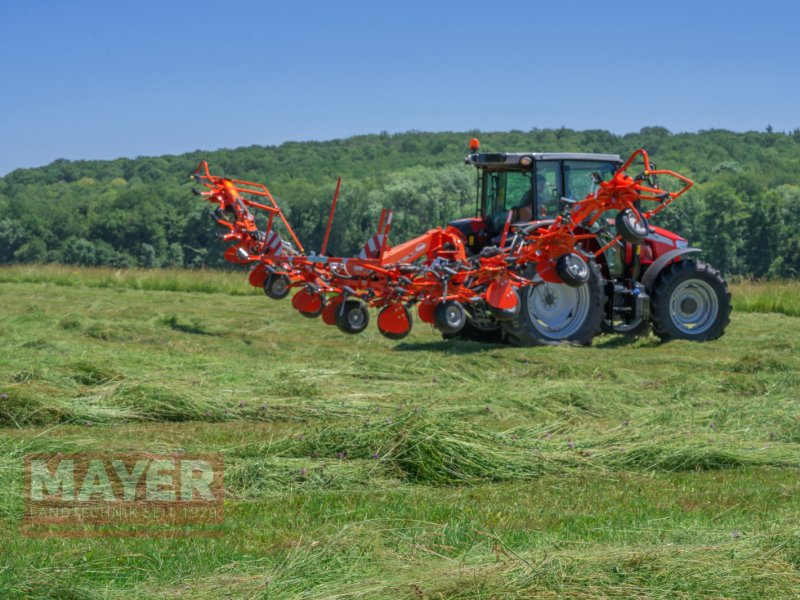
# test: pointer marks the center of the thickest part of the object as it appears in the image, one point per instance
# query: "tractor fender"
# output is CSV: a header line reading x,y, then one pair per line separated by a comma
x,y
662,261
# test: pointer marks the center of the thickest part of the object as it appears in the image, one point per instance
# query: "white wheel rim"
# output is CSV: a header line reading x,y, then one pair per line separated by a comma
x,y
558,310
693,307
635,223
453,316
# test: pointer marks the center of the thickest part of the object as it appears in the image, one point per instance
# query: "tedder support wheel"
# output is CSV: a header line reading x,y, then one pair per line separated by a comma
x,y
556,313
276,286
352,317
572,270
690,301
631,226
450,316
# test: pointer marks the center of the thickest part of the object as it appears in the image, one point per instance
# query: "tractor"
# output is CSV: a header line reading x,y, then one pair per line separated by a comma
x,y
645,277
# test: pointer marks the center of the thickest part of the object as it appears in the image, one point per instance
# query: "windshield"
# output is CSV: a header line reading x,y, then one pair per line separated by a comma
x,y
578,181
504,191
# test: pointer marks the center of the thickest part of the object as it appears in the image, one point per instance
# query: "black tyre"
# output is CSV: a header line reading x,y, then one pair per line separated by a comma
x,y
631,226
276,286
557,313
352,316
690,301
572,269
450,316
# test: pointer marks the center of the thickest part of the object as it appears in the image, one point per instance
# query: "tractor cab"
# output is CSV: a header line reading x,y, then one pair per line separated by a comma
x,y
532,184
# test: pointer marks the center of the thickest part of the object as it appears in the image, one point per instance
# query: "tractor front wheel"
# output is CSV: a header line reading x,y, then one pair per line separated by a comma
x,y
690,301
558,313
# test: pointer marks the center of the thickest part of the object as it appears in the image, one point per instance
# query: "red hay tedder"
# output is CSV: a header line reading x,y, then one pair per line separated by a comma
x,y
560,249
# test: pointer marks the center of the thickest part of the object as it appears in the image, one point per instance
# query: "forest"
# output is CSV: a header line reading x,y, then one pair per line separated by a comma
x,y
744,211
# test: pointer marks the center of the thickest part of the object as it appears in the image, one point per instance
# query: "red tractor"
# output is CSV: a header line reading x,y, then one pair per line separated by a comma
x,y
640,275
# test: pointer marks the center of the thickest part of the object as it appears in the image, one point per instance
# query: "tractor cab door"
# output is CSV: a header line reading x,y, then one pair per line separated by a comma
x,y
503,191
549,189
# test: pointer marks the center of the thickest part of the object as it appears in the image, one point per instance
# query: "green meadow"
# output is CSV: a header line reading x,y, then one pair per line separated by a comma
x,y
358,467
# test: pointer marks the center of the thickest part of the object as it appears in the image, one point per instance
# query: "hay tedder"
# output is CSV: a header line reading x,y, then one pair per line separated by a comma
x,y
560,249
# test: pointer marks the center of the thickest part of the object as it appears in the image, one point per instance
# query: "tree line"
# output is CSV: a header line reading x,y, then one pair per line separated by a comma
x,y
744,212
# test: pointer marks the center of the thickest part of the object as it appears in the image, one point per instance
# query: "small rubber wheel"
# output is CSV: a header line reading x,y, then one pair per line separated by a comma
x,y
352,317
450,316
631,226
572,269
276,286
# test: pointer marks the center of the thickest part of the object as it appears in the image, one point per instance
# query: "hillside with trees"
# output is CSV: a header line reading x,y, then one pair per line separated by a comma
x,y
744,212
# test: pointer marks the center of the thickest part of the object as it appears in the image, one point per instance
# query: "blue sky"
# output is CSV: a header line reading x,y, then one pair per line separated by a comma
x,y
97,80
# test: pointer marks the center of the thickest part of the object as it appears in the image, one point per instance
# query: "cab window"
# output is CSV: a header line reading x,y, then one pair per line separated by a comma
x,y
504,191
548,188
578,180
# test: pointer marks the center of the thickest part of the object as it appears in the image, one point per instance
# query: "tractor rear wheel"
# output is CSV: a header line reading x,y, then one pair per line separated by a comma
x,y
690,301
557,313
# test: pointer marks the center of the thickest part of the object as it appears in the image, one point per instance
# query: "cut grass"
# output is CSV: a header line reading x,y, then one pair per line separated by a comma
x,y
358,467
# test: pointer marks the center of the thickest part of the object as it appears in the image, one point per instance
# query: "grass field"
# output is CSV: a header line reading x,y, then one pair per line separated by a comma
x,y
357,467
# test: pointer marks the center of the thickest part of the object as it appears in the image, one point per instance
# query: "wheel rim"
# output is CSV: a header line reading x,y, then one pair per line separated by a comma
x,y
574,271
558,310
693,306
355,318
635,223
278,286
453,316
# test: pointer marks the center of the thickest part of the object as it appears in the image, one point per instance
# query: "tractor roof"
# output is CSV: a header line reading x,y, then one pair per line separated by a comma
x,y
511,159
